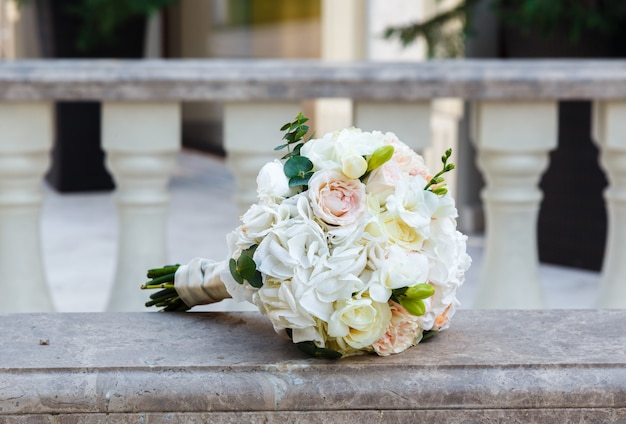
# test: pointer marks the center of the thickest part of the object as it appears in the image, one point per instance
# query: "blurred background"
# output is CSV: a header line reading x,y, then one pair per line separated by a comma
x,y
78,218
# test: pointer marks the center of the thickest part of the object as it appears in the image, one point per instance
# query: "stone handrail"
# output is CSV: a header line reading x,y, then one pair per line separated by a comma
x,y
244,80
514,125
489,366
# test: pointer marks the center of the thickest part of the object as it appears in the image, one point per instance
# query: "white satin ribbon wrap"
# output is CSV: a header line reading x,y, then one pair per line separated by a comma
x,y
199,282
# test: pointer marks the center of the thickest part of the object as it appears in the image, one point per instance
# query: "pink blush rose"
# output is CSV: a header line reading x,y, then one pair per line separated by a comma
x,y
336,199
402,332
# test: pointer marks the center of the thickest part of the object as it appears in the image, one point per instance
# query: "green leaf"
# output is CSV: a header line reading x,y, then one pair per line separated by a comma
x,y
318,352
297,166
232,265
300,181
246,267
256,280
428,335
286,126
420,291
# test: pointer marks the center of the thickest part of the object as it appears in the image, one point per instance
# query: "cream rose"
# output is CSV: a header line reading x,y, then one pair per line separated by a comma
x,y
399,232
382,181
359,322
337,199
406,158
402,332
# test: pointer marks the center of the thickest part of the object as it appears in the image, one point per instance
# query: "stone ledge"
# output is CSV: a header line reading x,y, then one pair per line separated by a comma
x,y
273,80
530,366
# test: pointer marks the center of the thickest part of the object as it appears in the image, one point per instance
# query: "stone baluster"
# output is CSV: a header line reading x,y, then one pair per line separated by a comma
x,y
513,141
251,132
609,133
141,141
25,143
428,127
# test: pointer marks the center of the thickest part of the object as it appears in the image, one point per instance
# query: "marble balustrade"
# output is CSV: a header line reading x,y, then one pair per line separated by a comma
x,y
489,367
514,127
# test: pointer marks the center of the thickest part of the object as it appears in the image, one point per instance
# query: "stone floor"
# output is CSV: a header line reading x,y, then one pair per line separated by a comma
x,y
79,240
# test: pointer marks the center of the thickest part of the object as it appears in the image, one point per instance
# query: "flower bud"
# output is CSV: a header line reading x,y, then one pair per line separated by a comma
x,y
420,291
414,306
379,157
353,165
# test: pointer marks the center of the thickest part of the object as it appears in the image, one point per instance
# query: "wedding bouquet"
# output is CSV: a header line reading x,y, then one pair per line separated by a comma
x,y
351,248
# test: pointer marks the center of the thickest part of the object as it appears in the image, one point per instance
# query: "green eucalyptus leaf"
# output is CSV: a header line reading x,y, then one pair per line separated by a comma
x,y
250,250
232,264
429,334
300,181
413,306
256,280
246,267
284,127
318,352
420,291
297,166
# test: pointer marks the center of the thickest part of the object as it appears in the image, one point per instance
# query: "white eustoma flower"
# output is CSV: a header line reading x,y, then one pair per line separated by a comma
x,y
412,203
401,268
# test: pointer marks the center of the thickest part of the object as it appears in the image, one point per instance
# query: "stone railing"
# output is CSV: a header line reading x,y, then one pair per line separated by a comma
x,y
489,366
514,128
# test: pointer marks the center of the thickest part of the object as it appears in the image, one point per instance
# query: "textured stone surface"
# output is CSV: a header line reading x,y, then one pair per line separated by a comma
x,y
522,366
298,79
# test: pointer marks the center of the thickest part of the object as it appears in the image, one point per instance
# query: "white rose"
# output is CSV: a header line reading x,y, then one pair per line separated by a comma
x,y
259,219
401,233
359,322
272,183
330,151
355,141
321,152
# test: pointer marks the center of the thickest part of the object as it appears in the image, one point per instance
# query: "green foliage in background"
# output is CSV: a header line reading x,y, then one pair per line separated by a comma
x,y
574,18
100,19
